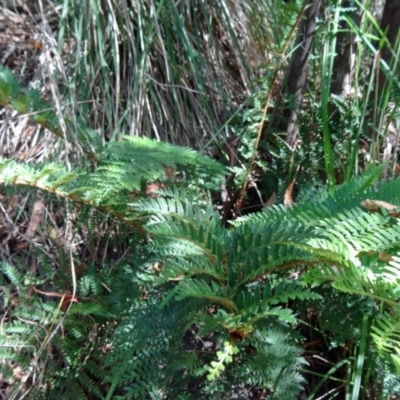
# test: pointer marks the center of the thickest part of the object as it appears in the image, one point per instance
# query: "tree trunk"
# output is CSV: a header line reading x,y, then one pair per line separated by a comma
x,y
390,25
346,49
297,72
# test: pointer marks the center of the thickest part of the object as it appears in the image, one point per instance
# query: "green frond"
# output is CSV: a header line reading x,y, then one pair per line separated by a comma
x,y
386,191
386,332
11,272
190,226
148,158
9,86
194,267
90,285
146,341
391,272
201,289
89,308
123,169
275,365
90,384
358,280
325,204
73,392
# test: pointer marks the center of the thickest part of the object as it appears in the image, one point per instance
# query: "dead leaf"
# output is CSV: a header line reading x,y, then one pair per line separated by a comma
x,y
151,187
382,256
271,201
79,269
34,222
385,257
169,172
21,245
288,199
376,205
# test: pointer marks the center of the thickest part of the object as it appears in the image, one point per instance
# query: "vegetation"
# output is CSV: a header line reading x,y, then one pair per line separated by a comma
x,y
266,265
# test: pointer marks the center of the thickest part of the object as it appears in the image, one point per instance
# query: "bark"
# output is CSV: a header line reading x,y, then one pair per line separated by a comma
x,y
346,48
390,25
297,72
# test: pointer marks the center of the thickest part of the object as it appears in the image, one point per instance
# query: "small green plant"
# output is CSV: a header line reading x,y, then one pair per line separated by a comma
x,y
224,357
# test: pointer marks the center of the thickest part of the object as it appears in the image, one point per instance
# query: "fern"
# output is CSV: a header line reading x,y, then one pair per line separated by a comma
x,y
237,287
24,336
118,178
386,333
325,238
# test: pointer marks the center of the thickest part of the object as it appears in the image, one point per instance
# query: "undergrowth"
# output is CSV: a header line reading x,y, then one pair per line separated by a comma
x,y
120,276
193,308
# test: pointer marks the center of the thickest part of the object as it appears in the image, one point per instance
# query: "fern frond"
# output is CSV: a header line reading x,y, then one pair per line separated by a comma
x,y
325,204
201,289
11,272
9,86
386,332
